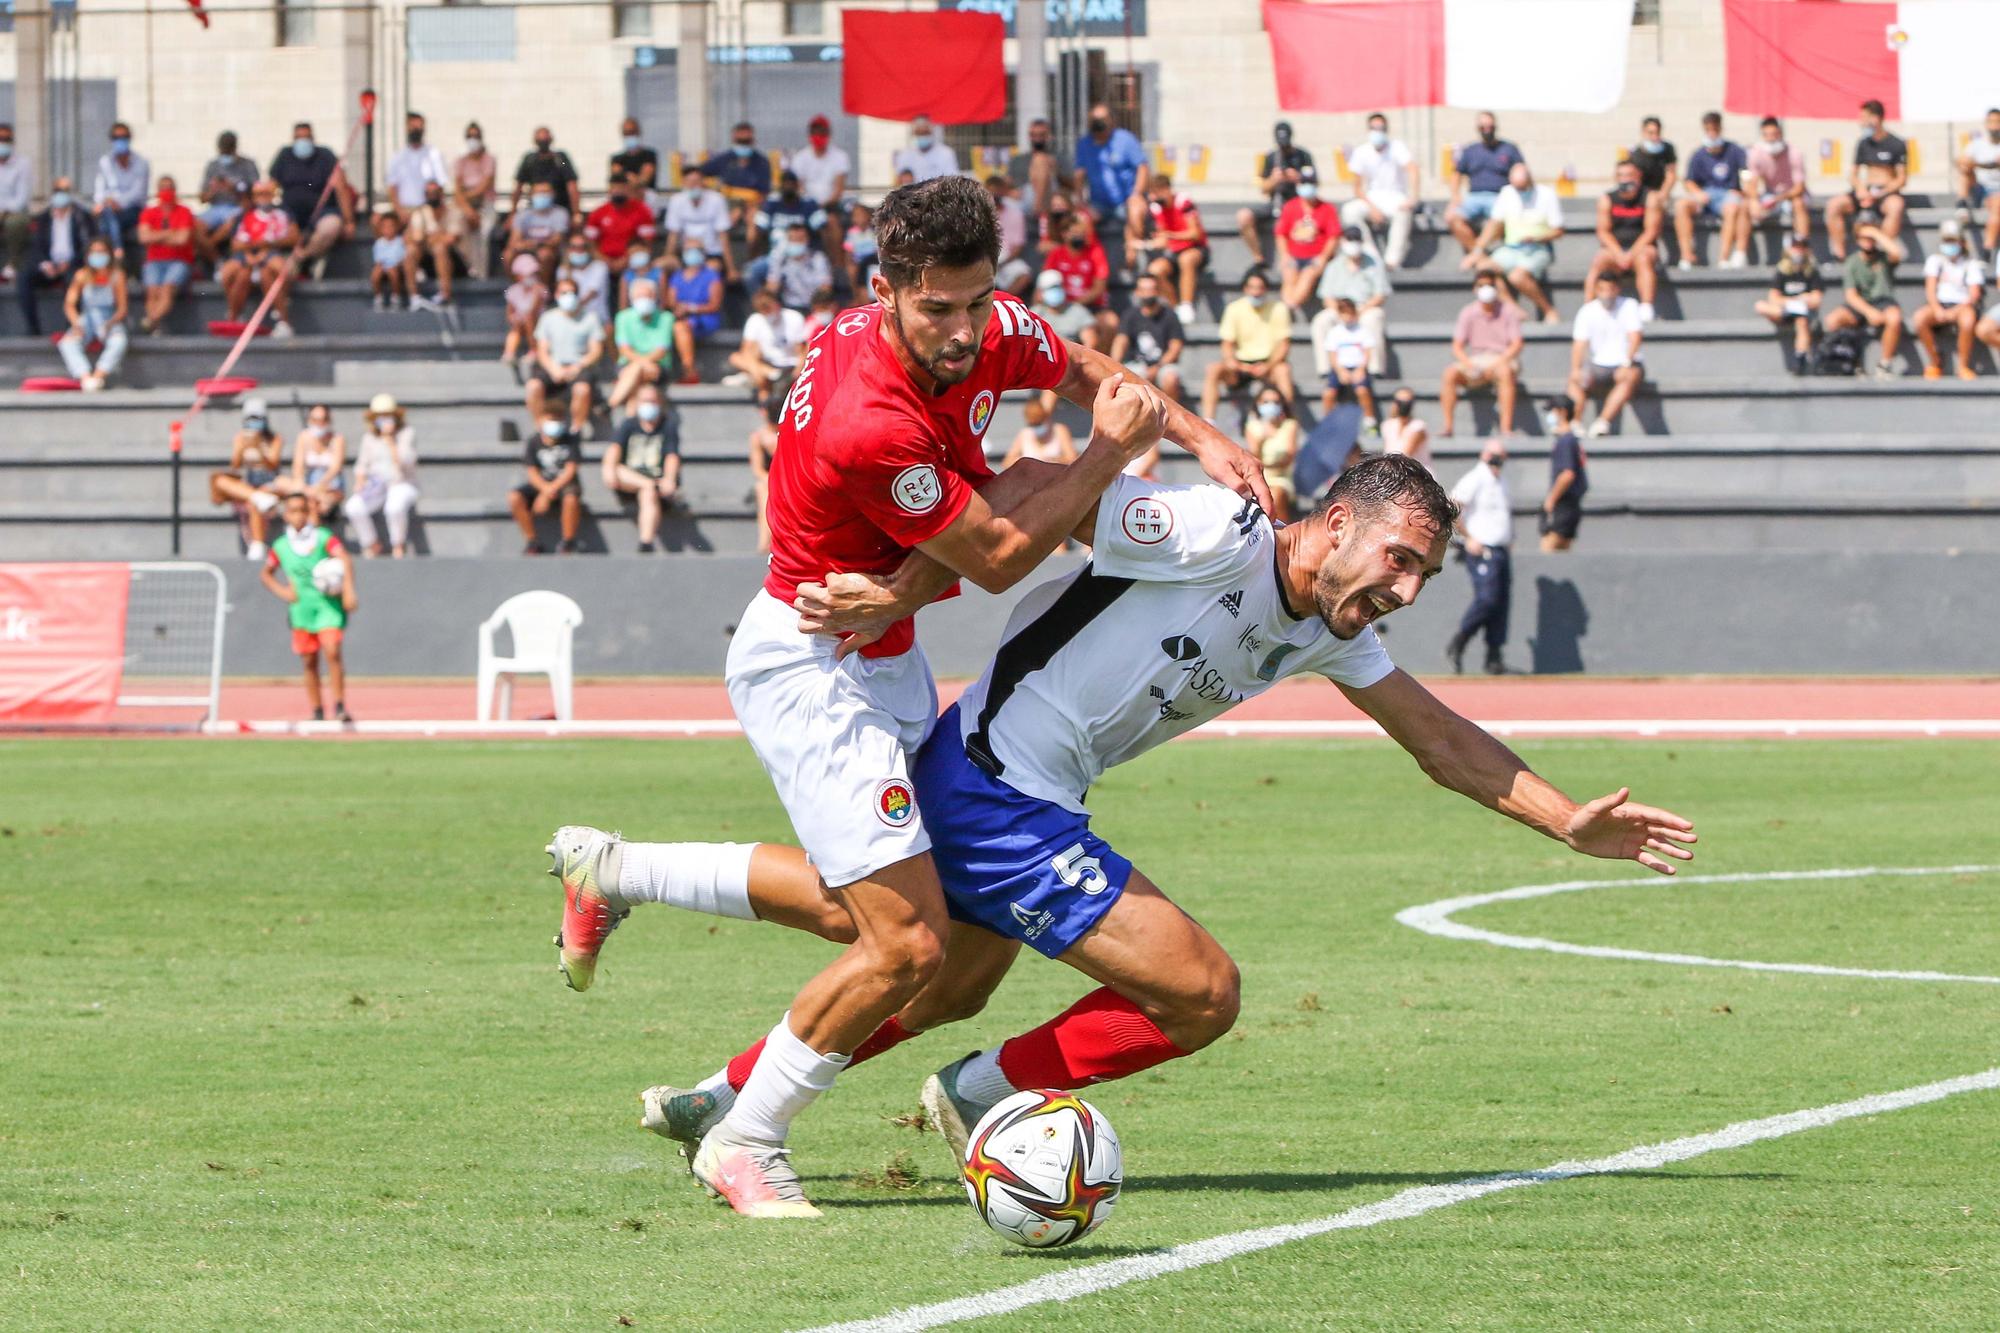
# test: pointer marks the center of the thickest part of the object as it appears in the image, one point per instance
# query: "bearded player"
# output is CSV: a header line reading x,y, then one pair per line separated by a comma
x,y
880,455
1192,603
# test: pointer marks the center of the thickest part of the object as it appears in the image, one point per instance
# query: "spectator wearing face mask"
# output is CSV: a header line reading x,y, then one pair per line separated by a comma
x,y
1404,432
538,231
1154,338
414,169
1256,336
1359,276
385,478
17,189
1953,284
431,237
774,219
822,168
698,219
1486,530
859,244
1347,346
1308,235
547,167
644,336
1066,316
696,293
1527,219
225,193
927,157
1778,170
388,275
1658,163
1713,188
1569,479
820,312
1978,178
637,163
250,483
123,184
553,464
1881,170
743,173
569,344
645,460
1605,351
1385,190
1013,273
773,340
1486,345
1039,169
319,463
95,306
58,238
641,266
1174,245
1041,436
621,221
303,173
473,199
526,297
1272,433
1869,301
1086,272
1792,304
264,236
1280,172
798,269
167,230
1479,173
1628,234
1111,165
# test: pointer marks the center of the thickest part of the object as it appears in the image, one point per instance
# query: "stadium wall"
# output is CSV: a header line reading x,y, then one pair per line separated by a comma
x,y
1786,612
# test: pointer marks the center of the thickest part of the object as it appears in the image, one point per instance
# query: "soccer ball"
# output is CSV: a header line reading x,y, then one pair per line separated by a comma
x,y
328,575
1043,1168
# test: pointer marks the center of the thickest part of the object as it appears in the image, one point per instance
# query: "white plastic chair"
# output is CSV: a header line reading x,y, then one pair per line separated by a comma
x,y
542,625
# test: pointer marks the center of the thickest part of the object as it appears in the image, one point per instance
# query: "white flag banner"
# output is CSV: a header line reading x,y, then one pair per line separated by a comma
x,y
1947,51
1542,55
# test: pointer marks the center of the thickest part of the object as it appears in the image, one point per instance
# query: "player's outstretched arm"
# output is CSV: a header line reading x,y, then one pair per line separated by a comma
x,y
1457,753
1221,458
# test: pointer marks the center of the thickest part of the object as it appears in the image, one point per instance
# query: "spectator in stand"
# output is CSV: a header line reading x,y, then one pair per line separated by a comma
x,y
225,193
1112,165
1038,170
696,290
1479,173
96,307
1308,236
473,199
302,174
644,336
1869,302
1605,351
1569,478
1179,242
1713,188
1792,304
546,166
1154,338
526,297
927,157
1041,436
769,227
799,270
124,181
1953,284
1780,188
1978,178
621,221
1881,170
1063,210
553,462
1659,164
698,219
1628,234
1279,174
591,274
764,448
1086,272
1385,190
1486,348
414,168
1256,336
167,230
249,483
1347,348
859,246
1272,434
1988,330
569,345
645,460
640,266
264,236
385,478
431,237
1528,218
1068,318
1360,277
318,618
319,464
822,168
773,340
820,312
637,164
1403,431
58,238
743,174
537,230
1486,529
388,273
17,189
1013,274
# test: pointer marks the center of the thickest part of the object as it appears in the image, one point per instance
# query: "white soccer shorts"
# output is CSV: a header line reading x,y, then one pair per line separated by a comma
x,y
837,738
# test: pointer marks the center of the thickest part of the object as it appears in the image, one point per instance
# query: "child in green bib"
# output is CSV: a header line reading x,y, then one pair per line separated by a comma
x,y
309,568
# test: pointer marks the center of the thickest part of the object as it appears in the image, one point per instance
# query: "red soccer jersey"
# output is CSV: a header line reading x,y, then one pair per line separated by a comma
x,y
1305,228
162,218
1178,214
615,228
1080,271
259,228
868,465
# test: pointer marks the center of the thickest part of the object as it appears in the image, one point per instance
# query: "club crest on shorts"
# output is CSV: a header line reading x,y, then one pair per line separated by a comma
x,y
980,415
1147,520
917,490
895,803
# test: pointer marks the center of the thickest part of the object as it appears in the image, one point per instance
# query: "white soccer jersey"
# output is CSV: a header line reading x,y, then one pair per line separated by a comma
x,y
1176,620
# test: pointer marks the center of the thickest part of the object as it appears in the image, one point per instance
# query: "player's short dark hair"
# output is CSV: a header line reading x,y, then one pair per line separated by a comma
x,y
1384,481
1872,107
1650,123
1711,118
1770,121
946,222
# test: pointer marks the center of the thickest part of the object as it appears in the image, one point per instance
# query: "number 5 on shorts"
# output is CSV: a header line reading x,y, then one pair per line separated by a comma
x,y
1079,871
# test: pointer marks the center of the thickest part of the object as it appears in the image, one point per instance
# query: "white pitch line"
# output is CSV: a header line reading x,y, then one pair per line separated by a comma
x,y
1092,1278
1436,919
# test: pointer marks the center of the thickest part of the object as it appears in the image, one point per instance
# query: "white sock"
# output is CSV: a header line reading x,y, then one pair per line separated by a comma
x,y
981,1082
718,1084
789,1077
711,877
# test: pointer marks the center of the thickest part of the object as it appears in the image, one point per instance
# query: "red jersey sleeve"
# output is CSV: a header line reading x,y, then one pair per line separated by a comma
x,y
1030,354
893,474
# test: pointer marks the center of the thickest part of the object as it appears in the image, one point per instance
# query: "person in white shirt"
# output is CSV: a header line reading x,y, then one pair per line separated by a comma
x,y
1348,345
385,478
823,168
927,157
124,183
17,187
698,218
1526,220
1979,177
415,168
1385,190
1953,283
1014,274
1404,432
1486,527
773,338
1604,351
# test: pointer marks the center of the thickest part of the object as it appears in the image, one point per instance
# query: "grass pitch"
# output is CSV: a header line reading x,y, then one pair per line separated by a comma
x,y
282,1045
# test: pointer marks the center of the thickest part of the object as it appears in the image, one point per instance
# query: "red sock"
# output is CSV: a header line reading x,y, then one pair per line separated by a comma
x,y
1101,1037
891,1033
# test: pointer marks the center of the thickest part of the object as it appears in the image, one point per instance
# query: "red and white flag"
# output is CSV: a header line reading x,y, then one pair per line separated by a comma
x,y
1922,59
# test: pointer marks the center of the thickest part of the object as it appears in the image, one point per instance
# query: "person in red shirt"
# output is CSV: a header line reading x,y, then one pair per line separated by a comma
x,y
166,229
1177,250
1086,274
879,491
257,254
619,221
1308,233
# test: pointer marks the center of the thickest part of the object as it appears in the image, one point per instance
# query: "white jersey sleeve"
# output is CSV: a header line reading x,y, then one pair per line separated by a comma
x,y
1176,534
1358,662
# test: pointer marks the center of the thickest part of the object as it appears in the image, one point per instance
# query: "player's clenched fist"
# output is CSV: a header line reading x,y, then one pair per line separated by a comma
x,y
1128,414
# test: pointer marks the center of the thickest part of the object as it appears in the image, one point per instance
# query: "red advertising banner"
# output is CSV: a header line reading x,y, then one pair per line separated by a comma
x,y
62,641
948,66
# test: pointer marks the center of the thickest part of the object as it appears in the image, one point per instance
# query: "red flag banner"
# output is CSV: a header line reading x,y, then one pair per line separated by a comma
x,y
1810,58
941,64
62,641
1357,57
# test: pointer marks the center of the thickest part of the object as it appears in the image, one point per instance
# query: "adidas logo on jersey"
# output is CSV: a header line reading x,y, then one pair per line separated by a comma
x,y
1232,602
